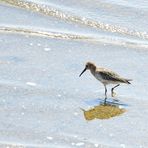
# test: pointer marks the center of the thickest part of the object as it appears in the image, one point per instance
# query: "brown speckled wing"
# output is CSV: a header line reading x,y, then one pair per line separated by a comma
x,y
111,76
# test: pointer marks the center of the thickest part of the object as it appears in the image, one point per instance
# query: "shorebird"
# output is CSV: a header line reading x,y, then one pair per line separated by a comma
x,y
105,76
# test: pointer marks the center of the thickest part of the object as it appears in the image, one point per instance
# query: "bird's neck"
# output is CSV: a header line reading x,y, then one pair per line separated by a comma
x,y
93,70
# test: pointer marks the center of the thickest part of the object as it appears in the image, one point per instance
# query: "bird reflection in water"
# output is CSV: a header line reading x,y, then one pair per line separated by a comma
x,y
103,111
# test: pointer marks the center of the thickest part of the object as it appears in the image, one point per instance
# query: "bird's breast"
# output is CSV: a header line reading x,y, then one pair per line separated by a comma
x,y
98,76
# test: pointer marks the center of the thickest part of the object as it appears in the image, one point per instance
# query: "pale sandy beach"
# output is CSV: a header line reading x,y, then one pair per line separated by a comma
x,y
44,46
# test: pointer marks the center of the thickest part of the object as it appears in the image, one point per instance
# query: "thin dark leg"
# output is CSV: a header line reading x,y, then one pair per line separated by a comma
x,y
112,90
105,94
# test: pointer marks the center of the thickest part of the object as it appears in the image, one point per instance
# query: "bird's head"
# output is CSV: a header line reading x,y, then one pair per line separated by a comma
x,y
89,65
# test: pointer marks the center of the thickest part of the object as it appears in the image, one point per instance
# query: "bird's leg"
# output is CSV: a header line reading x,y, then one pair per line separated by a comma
x,y
105,95
112,90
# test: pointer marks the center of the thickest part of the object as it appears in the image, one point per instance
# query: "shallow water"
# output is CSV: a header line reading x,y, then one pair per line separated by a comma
x,y
44,46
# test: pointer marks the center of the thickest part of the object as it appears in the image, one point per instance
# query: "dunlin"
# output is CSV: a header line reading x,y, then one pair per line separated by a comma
x,y
105,76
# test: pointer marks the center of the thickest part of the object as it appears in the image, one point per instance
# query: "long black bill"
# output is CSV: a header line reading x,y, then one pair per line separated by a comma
x,y
82,72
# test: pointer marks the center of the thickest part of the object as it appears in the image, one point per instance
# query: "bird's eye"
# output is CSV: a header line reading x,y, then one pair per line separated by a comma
x,y
86,66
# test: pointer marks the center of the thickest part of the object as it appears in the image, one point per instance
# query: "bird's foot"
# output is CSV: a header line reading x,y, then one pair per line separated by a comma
x,y
113,94
105,103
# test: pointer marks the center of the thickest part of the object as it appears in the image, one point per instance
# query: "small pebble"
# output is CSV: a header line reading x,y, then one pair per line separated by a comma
x,y
122,145
79,144
47,49
59,95
49,138
96,145
72,143
75,113
31,83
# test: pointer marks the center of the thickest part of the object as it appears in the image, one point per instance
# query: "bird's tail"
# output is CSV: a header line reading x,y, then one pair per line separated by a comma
x,y
127,80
